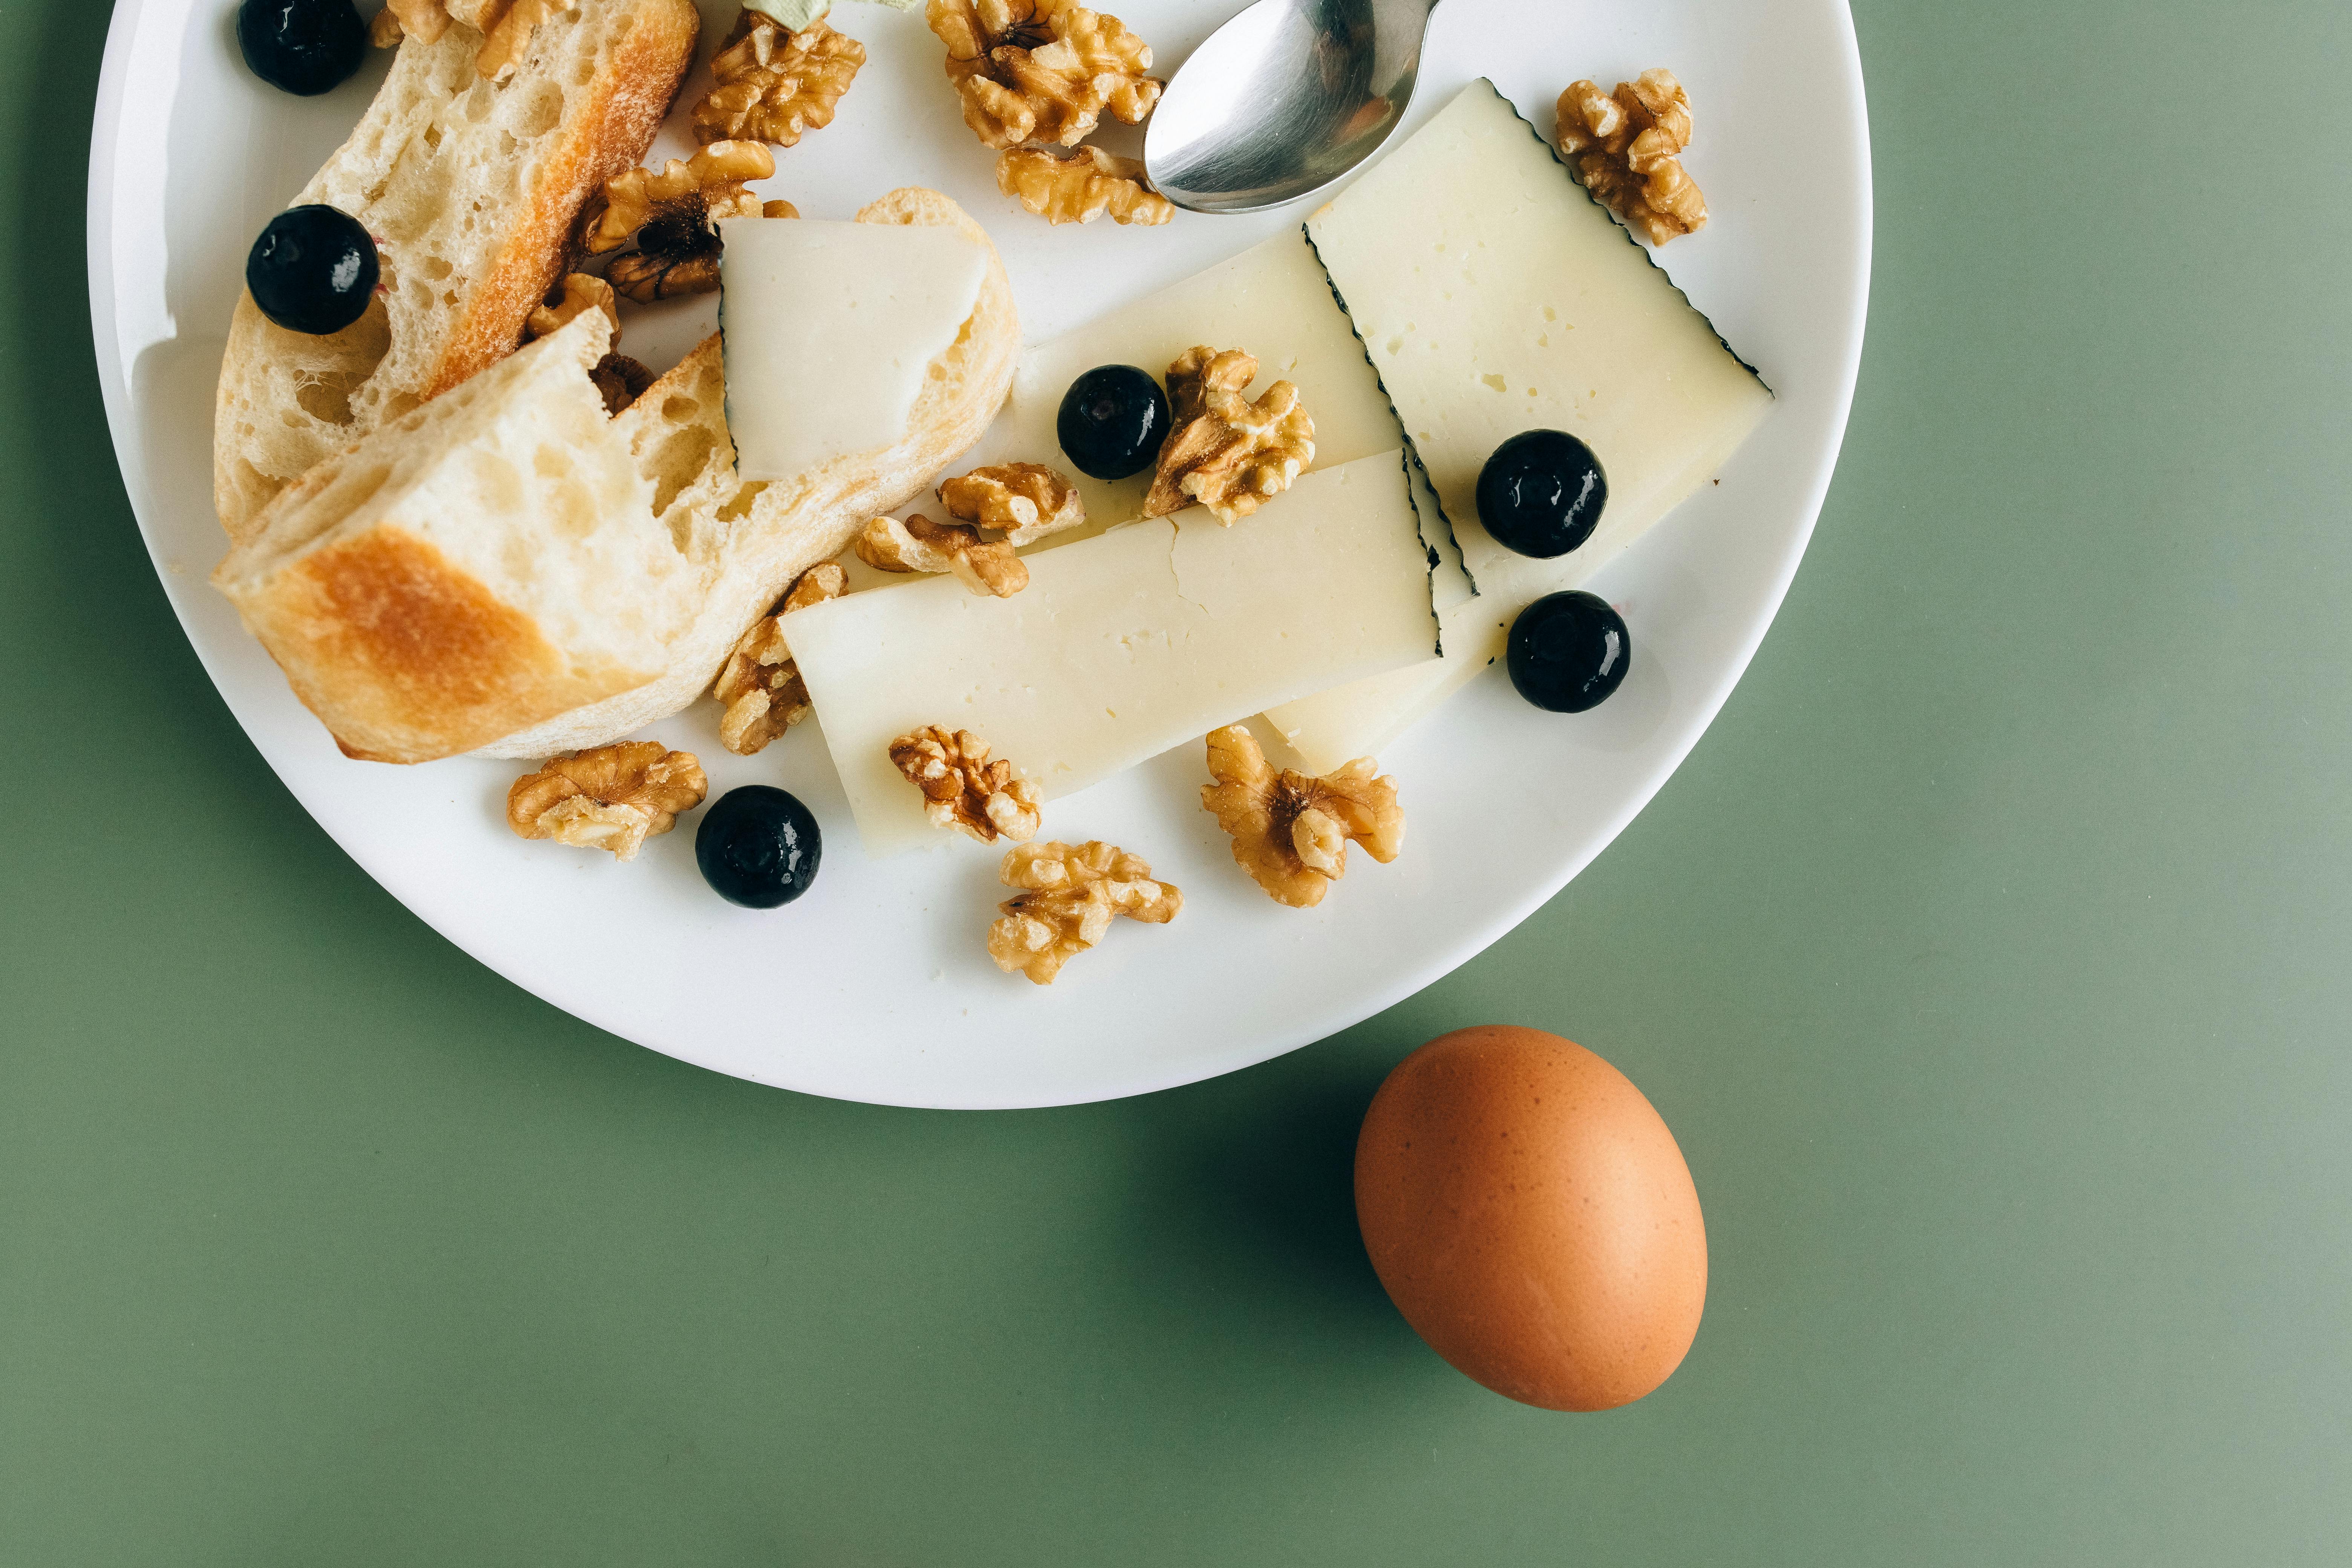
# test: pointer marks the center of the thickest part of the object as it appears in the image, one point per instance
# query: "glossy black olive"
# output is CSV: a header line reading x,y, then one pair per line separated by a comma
x,y
1568,652
759,847
305,46
1113,420
313,269
1541,493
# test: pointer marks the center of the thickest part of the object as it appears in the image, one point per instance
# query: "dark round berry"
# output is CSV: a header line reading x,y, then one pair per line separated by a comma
x,y
1541,493
306,46
1113,420
1568,652
758,847
313,270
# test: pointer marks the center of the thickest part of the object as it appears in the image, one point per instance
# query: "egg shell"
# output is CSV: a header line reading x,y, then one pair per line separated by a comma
x,y
1532,1217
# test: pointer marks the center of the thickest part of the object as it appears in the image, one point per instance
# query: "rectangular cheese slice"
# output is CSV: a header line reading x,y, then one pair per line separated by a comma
x,y
1123,646
1495,296
829,329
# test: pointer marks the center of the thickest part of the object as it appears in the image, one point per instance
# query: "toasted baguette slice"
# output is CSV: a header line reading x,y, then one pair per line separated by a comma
x,y
471,189
500,571
753,539
483,562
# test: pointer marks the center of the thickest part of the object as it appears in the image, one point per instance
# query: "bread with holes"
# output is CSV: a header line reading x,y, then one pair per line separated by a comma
x,y
498,572
472,189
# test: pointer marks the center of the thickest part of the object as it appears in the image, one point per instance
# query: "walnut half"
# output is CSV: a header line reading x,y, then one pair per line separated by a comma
x,y
612,797
918,544
1625,147
1081,187
773,85
1042,70
1291,832
1223,450
760,688
619,379
1069,895
1022,502
673,214
962,789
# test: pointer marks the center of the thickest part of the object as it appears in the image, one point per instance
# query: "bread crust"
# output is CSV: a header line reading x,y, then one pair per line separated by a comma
x,y
288,400
414,653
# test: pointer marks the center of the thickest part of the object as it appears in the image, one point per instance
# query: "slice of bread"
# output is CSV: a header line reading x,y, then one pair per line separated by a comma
x,y
482,562
754,539
471,189
499,571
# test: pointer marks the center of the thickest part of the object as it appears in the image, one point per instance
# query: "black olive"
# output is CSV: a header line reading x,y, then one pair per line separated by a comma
x,y
1113,420
313,269
759,847
1568,652
305,46
1541,493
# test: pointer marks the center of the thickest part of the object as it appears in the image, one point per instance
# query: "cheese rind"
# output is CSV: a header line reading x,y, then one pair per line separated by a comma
x,y
829,330
1122,646
1494,297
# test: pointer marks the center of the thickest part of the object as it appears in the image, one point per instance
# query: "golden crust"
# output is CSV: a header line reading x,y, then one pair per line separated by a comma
x,y
405,657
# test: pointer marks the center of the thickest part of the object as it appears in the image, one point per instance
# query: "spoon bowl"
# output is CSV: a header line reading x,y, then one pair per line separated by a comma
x,y
1283,99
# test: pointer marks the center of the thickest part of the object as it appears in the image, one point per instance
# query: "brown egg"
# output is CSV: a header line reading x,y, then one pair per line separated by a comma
x,y
1532,1218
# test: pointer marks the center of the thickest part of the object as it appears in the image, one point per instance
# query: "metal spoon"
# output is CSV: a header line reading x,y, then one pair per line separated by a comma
x,y
1283,99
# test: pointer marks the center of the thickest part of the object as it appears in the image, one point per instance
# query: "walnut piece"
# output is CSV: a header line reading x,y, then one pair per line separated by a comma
x,y
760,688
620,379
612,797
775,86
1223,450
507,28
579,293
423,20
1069,893
1081,187
918,544
1290,832
1044,70
962,789
1022,502
1624,147
673,217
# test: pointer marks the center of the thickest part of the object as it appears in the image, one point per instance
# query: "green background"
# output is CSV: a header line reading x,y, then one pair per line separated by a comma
x,y
1988,958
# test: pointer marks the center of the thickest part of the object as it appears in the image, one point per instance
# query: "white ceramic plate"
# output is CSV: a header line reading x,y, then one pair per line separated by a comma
x,y
875,986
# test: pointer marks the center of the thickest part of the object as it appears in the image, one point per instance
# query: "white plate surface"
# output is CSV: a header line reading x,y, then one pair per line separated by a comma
x,y
875,986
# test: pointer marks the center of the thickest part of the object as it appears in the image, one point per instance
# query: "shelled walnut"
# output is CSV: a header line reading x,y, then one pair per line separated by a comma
x,y
1291,832
1081,187
1022,502
774,84
1625,147
506,27
612,797
1044,70
918,544
964,790
1223,450
673,215
760,690
619,379
1069,895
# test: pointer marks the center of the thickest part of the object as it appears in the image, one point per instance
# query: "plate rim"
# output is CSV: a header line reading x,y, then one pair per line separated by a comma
x,y
125,31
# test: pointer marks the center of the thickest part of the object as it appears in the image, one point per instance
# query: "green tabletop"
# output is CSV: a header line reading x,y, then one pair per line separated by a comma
x,y
1991,959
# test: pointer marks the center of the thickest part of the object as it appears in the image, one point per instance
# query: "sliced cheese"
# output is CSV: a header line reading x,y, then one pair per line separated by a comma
x,y
1274,300
830,329
1493,296
1122,646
